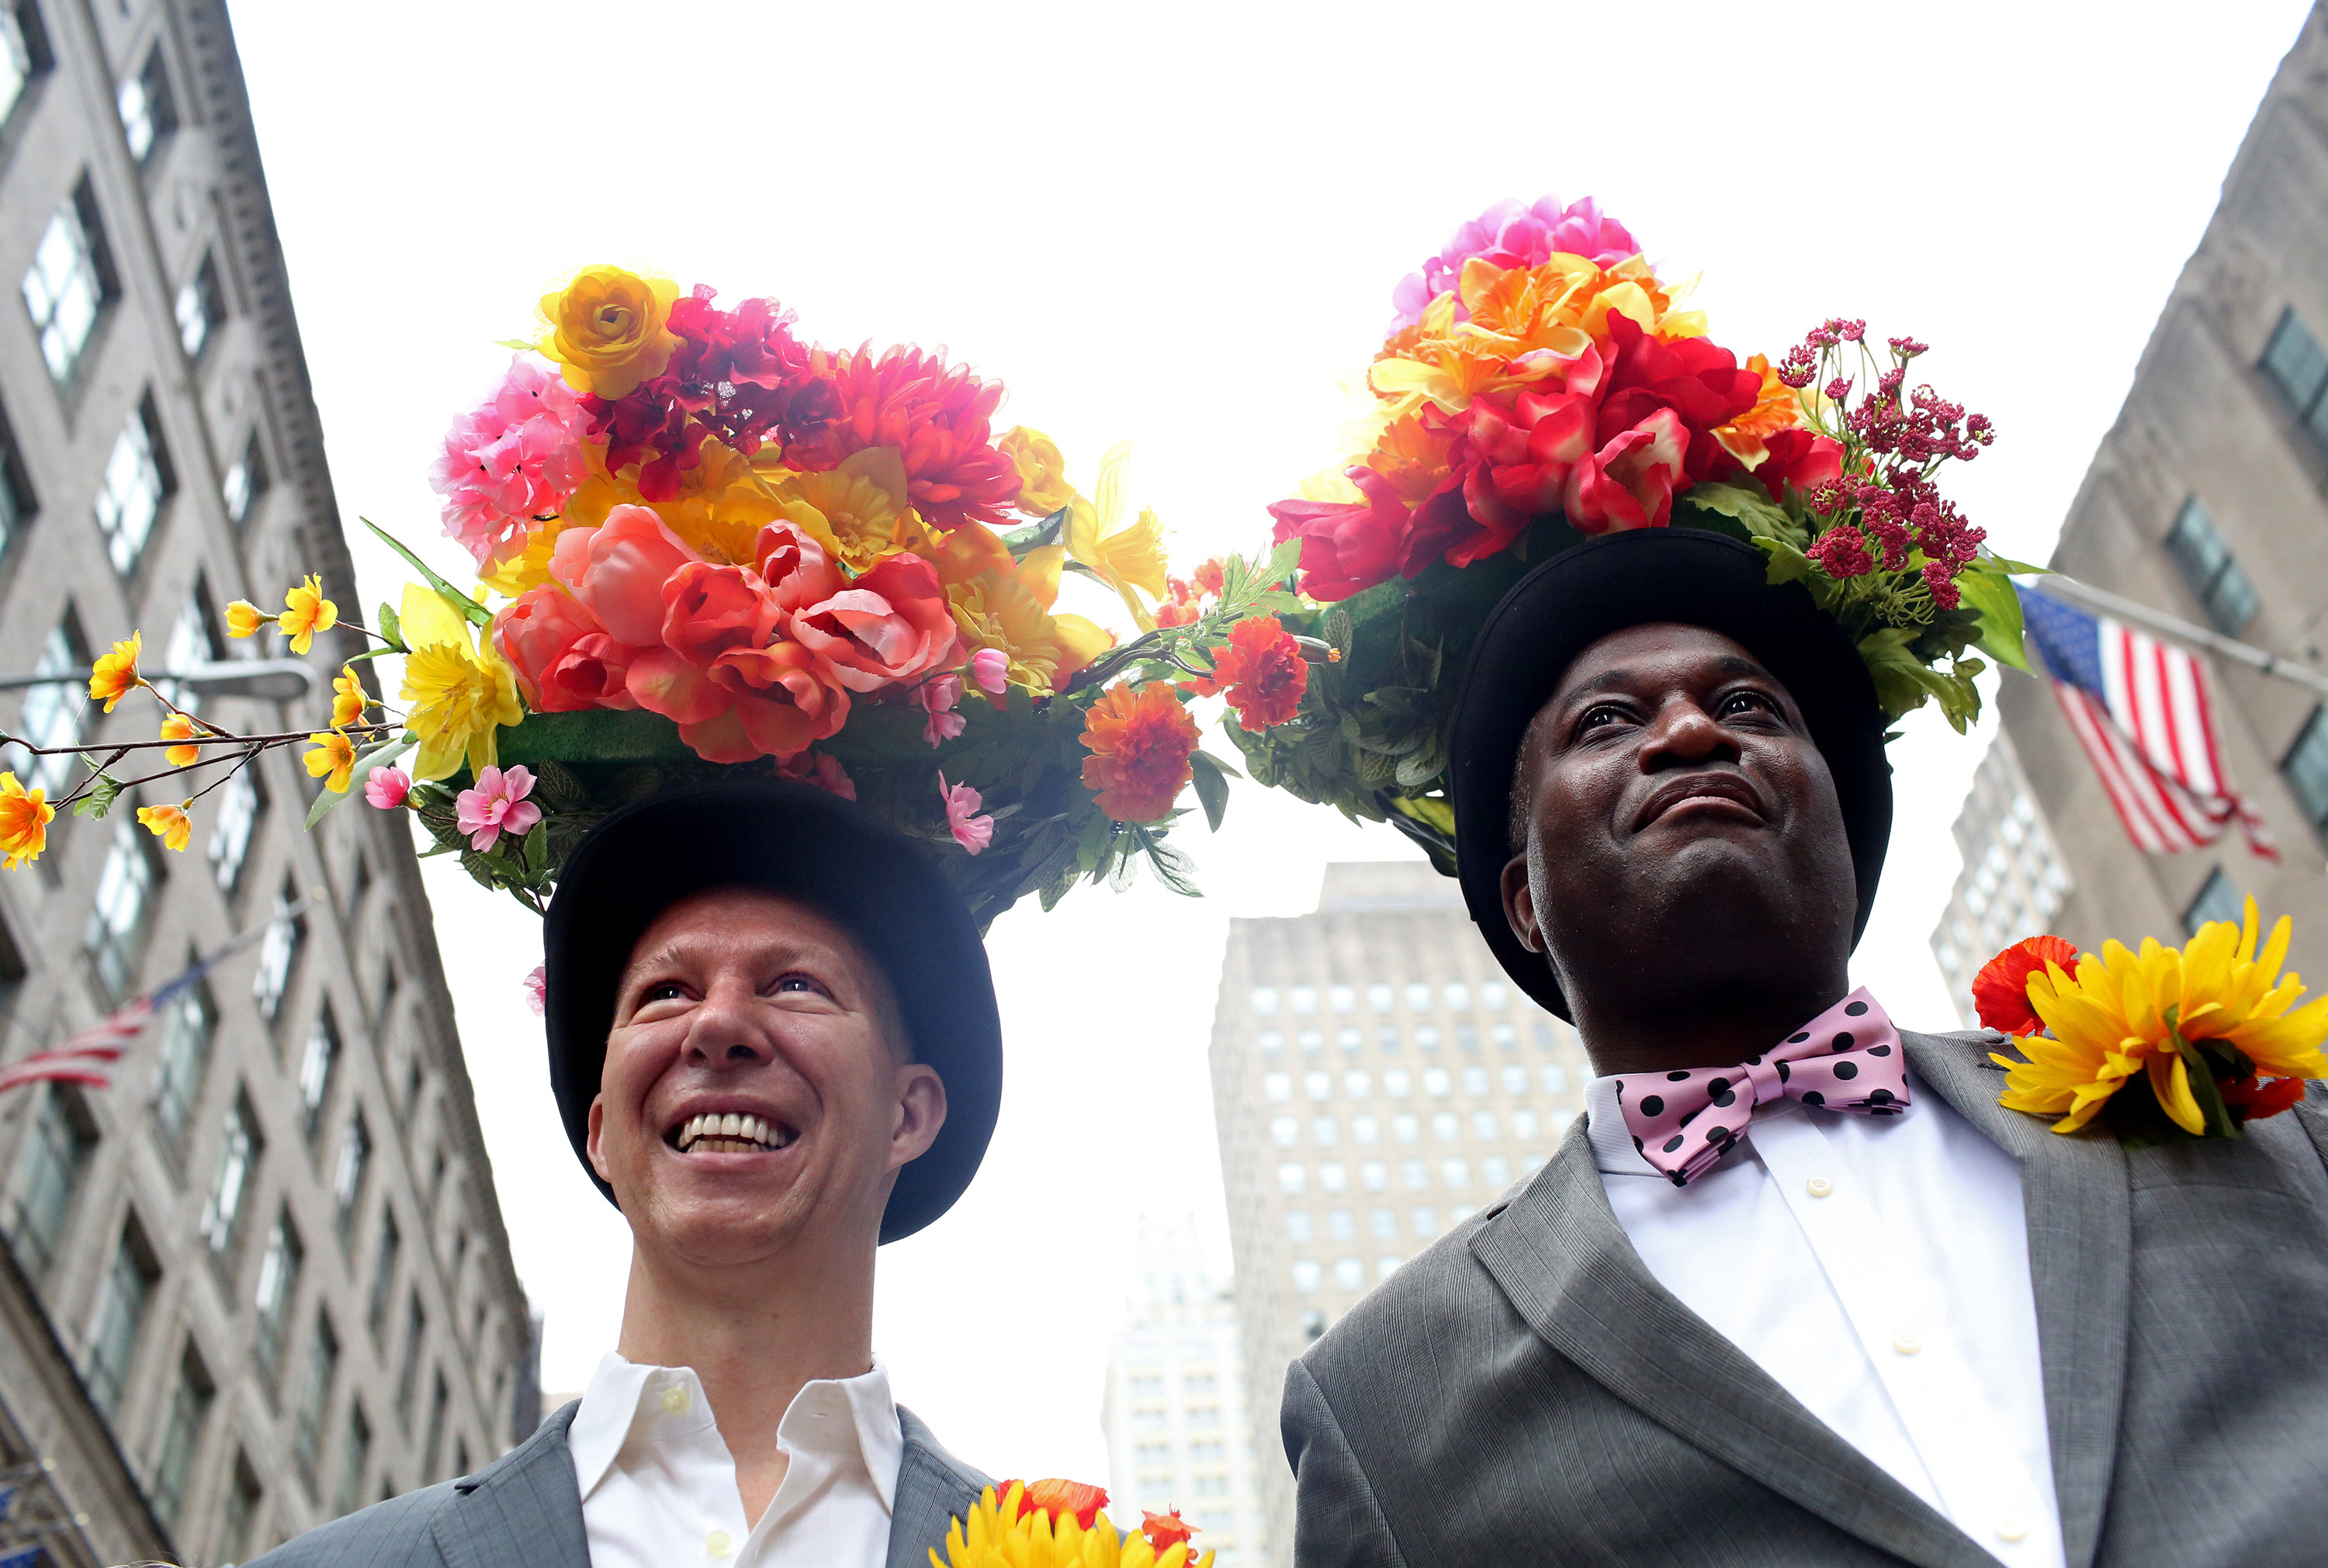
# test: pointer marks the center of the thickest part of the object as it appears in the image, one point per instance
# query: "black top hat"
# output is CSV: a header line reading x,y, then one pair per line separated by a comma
x,y
799,841
1683,574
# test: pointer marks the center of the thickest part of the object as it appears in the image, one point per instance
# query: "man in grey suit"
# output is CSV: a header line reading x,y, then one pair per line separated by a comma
x,y
774,1043
1884,1320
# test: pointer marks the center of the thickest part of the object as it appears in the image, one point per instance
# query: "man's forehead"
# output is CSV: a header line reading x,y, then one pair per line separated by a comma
x,y
1659,652
725,916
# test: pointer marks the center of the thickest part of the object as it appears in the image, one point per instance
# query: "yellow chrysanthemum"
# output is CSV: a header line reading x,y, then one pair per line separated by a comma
x,y
2126,1012
333,760
306,612
115,675
458,694
168,823
1036,1540
349,700
244,618
1125,557
858,511
24,818
178,726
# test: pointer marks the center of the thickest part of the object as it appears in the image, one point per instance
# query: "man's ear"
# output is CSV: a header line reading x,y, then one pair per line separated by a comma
x,y
1520,904
591,1145
921,1111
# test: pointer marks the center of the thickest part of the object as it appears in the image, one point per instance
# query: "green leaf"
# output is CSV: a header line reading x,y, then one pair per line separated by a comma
x,y
1990,592
386,752
390,626
1759,515
1787,564
1212,787
2014,569
1172,867
103,791
1022,541
520,344
476,613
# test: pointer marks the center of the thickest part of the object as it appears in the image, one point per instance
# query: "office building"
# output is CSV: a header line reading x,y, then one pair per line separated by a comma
x,y
2013,882
1376,1080
261,1279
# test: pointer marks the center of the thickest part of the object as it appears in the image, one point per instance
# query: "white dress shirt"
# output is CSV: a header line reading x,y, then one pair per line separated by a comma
x,y
658,1484
1877,1268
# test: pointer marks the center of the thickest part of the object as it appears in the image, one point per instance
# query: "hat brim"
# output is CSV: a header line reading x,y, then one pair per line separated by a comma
x,y
1690,577
827,852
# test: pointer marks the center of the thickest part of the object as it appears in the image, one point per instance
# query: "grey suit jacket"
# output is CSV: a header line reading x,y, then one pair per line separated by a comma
x,y
524,1511
1525,1392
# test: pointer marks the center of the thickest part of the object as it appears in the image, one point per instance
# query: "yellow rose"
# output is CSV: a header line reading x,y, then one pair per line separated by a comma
x,y
607,329
1043,486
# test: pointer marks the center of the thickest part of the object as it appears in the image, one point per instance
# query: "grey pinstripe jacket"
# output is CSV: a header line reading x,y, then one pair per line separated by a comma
x,y
523,1511
1525,1393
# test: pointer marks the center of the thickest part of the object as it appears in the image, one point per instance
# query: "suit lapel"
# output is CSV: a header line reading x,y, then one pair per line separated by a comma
x,y
2080,1207
1559,1256
933,1490
524,1510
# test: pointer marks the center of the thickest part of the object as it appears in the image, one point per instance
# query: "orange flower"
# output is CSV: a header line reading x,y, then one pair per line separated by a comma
x,y
168,823
306,612
178,726
2001,990
116,675
1141,742
1262,671
1165,1531
24,818
1056,1496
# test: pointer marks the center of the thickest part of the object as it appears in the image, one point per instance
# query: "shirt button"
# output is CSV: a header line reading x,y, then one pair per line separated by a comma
x,y
718,1543
674,1400
2012,1529
1905,1343
1818,1186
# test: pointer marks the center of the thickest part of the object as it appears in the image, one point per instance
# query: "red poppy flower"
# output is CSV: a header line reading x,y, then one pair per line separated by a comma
x,y
1165,1531
2001,990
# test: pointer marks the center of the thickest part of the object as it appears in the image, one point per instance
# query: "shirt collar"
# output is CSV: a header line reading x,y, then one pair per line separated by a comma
x,y
1613,1153
850,1418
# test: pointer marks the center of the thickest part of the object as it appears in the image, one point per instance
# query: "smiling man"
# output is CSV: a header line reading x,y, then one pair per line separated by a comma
x,y
773,1044
1796,1289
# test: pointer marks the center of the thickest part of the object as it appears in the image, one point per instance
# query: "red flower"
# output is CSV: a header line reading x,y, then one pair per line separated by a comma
x,y
935,415
1700,381
2251,1099
1165,1531
1349,546
1802,458
1631,482
1056,1496
2001,990
1262,671
1530,447
741,372
1179,605
1207,577
1141,742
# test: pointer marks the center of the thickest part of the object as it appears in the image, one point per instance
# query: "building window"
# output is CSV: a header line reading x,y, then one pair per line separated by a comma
x,y
1455,1173
193,643
1357,1085
69,283
189,1023
1292,1180
16,503
56,1156
241,801
1285,1132
2305,769
201,309
148,112
408,1373
1264,1001
358,1456
1483,1126
1296,1225
2219,899
1305,1275
1417,1174
1350,1273
315,1403
224,1216
24,52
279,1284
1425,1220
182,1435
240,1513
2211,570
2294,362
53,714
348,1179
122,916
317,1068
1436,1082
440,1398
138,480
383,1275
1514,1078
122,1301
278,952
1475,1080
1555,1078
245,482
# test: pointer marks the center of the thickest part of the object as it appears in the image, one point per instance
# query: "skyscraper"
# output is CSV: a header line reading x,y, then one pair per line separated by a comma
x,y
1178,1432
2013,882
261,1279
1376,1080
2208,500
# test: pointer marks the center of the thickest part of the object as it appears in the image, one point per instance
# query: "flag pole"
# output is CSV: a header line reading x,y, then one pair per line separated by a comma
x,y
2181,630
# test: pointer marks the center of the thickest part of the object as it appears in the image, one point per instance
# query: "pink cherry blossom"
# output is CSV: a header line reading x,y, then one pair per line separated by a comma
x,y
818,768
991,668
537,989
1508,234
971,832
515,459
496,806
937,697
386,787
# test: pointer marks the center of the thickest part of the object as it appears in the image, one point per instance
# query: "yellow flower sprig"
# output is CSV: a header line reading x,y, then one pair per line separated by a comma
x,y
2209,1020
24,818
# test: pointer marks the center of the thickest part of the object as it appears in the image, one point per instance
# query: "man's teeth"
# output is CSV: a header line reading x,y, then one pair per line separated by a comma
x,y
731,1134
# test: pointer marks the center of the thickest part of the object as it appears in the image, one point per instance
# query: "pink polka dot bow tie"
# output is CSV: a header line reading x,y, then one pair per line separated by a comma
x,y
1848,1059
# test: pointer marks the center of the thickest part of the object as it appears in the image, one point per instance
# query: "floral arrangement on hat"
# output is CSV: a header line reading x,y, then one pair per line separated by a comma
x,y
1541,383
2164,1044
1059,1524
701,543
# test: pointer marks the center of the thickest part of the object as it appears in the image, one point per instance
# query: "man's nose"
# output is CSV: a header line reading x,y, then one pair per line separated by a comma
x,y
1684,734
727,1027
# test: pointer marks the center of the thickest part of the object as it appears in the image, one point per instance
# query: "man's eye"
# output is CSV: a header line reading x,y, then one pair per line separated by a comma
x,y
662,991
799,984
1745,701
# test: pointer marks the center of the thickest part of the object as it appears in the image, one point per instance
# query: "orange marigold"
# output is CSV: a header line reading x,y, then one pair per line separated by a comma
x,y
2001,990
1141,742
1262,671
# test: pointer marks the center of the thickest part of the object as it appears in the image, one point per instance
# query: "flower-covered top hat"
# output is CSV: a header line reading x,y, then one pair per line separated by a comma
x,y
1555,450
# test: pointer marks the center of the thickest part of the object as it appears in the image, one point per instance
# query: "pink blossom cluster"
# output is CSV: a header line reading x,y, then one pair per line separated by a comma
x,y
749,661
1511,234
514,460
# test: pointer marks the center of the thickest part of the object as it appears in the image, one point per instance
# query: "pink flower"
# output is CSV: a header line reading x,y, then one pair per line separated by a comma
x,y
991,668
618,570
541,634
537,989
497,805
795,567
971,832
387,787
517,459
937,697
1510,235
710,610
891,624
821,769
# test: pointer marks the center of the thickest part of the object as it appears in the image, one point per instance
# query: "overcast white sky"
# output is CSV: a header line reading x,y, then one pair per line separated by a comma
x,y
1180,224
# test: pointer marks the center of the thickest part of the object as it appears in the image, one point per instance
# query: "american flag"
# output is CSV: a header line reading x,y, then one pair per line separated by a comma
x,y
85,1053
2141,710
